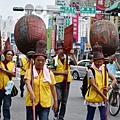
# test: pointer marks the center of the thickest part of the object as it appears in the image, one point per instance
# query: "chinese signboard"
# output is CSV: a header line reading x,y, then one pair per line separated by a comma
x,y
52,39
100,4
98,17
68,10
61,32
12,38
67,22
60,2
48,40
75,28
87,11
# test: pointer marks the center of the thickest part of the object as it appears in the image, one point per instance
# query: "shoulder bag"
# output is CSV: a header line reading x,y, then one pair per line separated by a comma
x,y
14,91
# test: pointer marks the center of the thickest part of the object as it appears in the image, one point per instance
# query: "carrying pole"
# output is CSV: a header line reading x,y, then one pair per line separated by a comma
x,y
32,83
30,54
66,69
105,72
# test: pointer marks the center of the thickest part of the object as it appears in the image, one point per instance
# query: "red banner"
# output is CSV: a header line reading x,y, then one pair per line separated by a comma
x,y
75,28
7,44
100,5
98,17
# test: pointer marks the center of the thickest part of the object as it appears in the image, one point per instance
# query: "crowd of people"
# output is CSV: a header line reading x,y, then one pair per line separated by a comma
x,y
49,87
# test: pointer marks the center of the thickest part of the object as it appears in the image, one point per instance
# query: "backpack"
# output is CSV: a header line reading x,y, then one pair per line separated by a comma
x,y
85,86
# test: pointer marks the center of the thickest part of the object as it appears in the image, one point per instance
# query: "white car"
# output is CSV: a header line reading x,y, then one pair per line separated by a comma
x,y
79,71
117,76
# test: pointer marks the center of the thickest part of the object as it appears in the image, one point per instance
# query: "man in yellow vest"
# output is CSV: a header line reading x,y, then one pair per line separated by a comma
x,y
43,96
96,95
7,71
25,64
60,73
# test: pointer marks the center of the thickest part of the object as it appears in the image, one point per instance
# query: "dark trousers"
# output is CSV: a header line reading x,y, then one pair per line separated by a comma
x,y
41,112
91,112
62,95
6,100
22,83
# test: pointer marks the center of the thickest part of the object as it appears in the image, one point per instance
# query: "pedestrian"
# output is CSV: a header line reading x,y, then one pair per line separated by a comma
x,y
113,66
7,71
24,65
60,73
44,85
96,95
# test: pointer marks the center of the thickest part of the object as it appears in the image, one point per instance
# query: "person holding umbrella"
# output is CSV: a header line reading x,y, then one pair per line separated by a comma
x,y
97,94
60,72
39,95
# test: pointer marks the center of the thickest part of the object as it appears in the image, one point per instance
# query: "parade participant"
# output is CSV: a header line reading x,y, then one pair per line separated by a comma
x,y
25,64
96,95
7,71
44,81
60,73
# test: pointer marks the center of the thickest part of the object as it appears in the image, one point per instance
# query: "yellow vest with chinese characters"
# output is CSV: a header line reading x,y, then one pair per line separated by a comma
x,y
25,65
92,95
61,68
42,90
4,79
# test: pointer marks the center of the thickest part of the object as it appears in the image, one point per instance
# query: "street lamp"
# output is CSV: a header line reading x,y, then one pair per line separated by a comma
x,y
18,9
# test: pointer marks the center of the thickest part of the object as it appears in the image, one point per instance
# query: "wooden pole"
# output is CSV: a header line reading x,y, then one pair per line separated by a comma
x,y
66,69
32,83
106,111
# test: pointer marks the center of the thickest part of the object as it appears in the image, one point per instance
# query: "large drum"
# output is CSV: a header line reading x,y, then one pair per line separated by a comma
x,y
28,30
105,33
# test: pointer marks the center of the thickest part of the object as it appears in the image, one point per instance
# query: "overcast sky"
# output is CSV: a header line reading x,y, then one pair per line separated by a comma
x,y
6,8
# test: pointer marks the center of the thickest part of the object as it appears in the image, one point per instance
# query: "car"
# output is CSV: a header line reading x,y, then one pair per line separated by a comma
x,y
117,76
79,71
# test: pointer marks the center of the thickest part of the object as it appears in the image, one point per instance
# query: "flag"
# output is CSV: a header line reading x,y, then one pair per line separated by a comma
x,y
7,44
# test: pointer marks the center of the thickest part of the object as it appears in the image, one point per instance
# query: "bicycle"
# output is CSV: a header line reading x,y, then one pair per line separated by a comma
x,y
114,99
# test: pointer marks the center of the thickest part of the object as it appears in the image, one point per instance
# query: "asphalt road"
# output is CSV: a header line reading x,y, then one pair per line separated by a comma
x,y
76,110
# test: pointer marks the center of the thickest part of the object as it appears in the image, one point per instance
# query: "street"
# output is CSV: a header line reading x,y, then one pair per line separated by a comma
x,y
76,110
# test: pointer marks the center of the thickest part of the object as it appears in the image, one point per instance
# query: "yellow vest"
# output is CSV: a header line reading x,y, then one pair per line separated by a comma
x,y
92,95
61,68
4,79
42,90
25,65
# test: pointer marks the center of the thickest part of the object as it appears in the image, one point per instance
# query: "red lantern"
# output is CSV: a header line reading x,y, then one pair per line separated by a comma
x,y
105,33
28,30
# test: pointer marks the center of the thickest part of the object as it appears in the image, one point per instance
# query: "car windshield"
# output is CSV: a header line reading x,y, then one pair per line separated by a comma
x,y
84,63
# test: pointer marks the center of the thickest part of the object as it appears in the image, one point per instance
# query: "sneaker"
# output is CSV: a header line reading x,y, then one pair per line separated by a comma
x,y
61,119
55,118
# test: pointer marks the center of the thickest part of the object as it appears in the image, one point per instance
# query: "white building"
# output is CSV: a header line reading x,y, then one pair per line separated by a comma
x,y
7,28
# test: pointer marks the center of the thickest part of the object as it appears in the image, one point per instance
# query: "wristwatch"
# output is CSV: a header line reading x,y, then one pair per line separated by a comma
x,y
111,86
